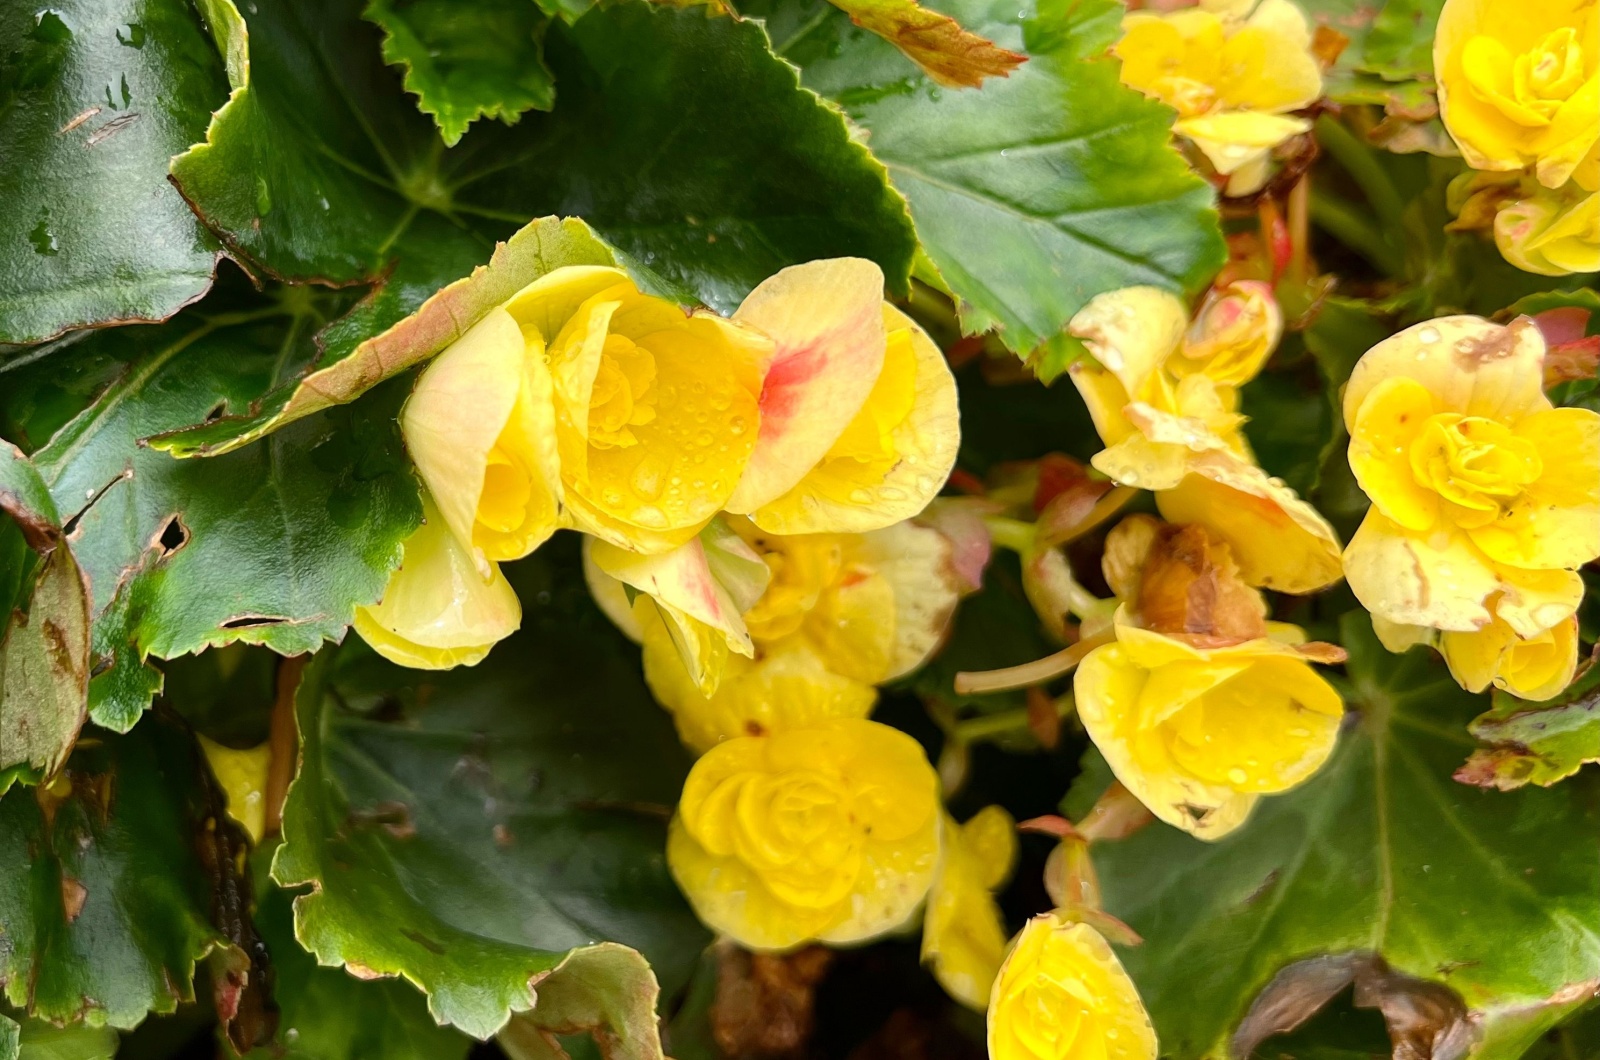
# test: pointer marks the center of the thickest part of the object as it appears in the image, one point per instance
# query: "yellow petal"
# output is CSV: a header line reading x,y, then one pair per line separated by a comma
x,y
963,934
486,401
1233,334
437,612
544,306
1062,995
1533,668
1556,521
788,687
1131,332
917,564
1387,424
1233,139
829,338
1442,580
912,415
1469,365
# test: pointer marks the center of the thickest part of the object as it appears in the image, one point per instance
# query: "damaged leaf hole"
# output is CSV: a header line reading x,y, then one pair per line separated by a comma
x,y
173,536
247,621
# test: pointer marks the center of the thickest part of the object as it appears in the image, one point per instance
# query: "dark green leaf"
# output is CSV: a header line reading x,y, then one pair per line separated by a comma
x,y
1495,895
467,61
38,1040
1037,191
273,545
1291,427
547,769
1400,44
328,1014
95,97
105,904
678,137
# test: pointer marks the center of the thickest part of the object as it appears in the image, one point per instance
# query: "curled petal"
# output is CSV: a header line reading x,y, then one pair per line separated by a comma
x,y
918,564
437,611
825,320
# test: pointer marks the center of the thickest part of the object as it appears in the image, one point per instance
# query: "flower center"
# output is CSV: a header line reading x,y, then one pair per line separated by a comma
x,y
802,571
1529,88
1551,72
797,830
1051,1020
506,491
624,394
1473,462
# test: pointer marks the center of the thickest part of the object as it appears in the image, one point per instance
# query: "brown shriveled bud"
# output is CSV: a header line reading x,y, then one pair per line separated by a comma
x,y
1128,545
1190,589
765,1004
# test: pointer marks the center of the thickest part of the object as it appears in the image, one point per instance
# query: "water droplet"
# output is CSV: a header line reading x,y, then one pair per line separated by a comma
x,y
263,197
650,516
1428,335
1237,775
860,496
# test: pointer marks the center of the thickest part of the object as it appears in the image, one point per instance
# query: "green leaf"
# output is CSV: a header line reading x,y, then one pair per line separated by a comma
x,y
44,669
1400,45
95,97
105,904
607,991
1496,896
274,545
677,136
328,1014
1538,743
467,61
1291,426
1034,193
345,365
38,1040
547,768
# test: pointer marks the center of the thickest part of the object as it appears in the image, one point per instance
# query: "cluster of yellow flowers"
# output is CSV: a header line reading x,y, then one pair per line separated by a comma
x,y
1235,71
1519,90
1485,501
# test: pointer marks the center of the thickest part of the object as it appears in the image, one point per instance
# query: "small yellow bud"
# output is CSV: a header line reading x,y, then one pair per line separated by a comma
x,y
829,834
1063,995
1551,233
438,611
1534,668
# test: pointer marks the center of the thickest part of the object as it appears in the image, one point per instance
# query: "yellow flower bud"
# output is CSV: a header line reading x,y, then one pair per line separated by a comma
x,y
1551,233
1534,668
1231,73
1166,405
1199,734
859,425
1063,995
963,935
1519,84
829,833
438,611
1480,489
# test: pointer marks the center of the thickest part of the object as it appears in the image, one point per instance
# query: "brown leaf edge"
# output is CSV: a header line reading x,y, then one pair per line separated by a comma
x,y
606,990
535,249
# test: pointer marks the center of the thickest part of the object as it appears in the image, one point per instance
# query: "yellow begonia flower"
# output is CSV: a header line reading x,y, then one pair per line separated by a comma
x,y
859,424
1199,734
583,402
963,935
828,834
1164,399
1534,668
1481,491
1232,73
1519,85
1551,233
1063,995
438,610
840,614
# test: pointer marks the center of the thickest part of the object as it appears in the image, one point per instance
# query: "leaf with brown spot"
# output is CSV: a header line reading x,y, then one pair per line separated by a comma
x,y
44,669
950,55
1537,743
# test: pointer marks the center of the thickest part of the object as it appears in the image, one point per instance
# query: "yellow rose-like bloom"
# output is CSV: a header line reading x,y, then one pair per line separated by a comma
x,y
1199,734
1551,233
829,833
859,424
963,935
1519,85
1164,398
840,613
1232,74
655,409
438,610
1063,995
1481,491
1533,668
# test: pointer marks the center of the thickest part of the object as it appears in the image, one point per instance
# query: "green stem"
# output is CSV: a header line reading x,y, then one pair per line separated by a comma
x,y
1361,162
1346,223
1005,722
1006,532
